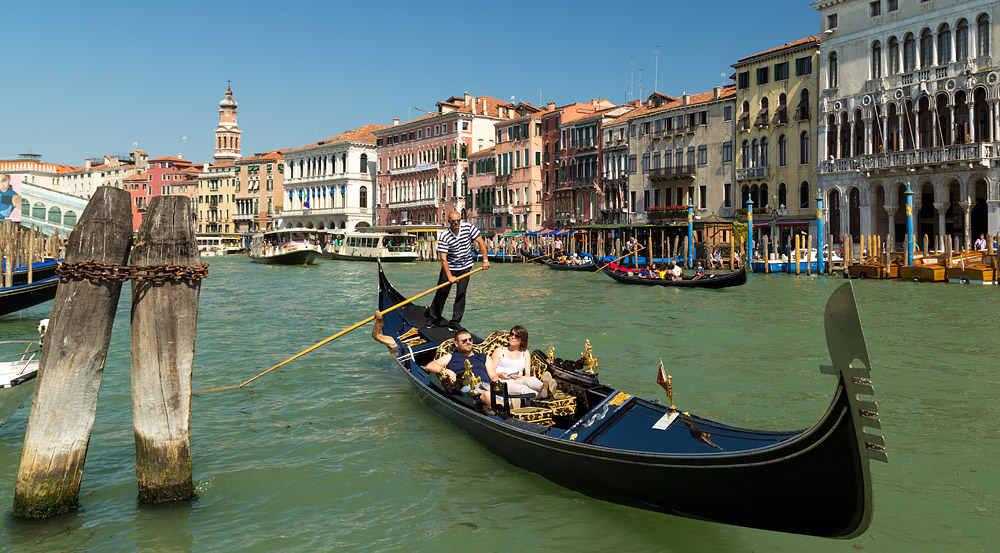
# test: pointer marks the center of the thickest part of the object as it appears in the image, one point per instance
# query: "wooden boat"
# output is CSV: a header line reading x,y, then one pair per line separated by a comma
x,y
284,247
503,257
369,246
16,298
611,445
17,375
40,270
533,257
725,280
564,266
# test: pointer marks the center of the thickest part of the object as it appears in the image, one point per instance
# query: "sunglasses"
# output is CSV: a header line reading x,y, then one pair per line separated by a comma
x,y
454,220
466,340
512,335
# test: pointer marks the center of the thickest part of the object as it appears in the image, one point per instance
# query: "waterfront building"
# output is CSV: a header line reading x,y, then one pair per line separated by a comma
x,y
164,175
260,188
483,191
584,189
137,187
910,95
680,151
109,170
227,133
775,144
566,190
330,184
614,155
43,205
517,191
216,197
423,163
37,172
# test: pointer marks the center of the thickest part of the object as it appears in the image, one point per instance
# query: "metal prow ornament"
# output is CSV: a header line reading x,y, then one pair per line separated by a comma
x,y
665,381
589,361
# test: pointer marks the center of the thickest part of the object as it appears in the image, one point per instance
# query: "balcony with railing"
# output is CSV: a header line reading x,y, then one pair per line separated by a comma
x,y
413,204
433,165
325,211
585,144
982,154
671,173
751,173
927,74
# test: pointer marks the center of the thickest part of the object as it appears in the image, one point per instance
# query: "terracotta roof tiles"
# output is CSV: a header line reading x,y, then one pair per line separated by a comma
x,y
790,45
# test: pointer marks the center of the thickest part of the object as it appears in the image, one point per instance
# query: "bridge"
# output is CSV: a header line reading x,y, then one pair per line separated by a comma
x,y
50,210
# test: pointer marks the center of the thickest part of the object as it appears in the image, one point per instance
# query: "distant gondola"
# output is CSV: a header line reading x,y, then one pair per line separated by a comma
x,y
557,266
620,448
16,298
726,280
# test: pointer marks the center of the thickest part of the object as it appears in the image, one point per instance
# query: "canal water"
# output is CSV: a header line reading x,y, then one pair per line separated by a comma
x,y
333,451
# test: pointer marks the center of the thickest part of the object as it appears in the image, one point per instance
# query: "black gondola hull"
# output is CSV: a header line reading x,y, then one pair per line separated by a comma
x,y
556,266
738,278
21,297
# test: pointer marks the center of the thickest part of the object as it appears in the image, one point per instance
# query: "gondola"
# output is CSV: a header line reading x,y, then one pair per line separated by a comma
x,y
534,257
556,266
502,257
16,298
726,280
624,449
40,270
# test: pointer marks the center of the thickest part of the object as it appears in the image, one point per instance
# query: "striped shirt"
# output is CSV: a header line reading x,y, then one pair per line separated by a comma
x,y
458,248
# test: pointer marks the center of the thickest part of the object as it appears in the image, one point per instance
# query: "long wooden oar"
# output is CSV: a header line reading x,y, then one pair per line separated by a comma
x,y
534,258
345,331
610,262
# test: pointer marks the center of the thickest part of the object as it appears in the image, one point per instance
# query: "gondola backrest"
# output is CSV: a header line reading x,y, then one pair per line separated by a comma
x,y
487,346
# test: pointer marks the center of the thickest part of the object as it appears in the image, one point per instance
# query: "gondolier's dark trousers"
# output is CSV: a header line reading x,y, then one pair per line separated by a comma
x,y
437,306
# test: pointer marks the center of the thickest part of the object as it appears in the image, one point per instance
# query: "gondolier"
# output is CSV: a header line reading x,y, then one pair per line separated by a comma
x,y
454,249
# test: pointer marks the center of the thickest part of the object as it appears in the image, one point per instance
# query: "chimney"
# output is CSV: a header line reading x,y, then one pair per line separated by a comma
x,y
593,101
550,106
475,104
716,92
86,164
687,99
468,99
395,121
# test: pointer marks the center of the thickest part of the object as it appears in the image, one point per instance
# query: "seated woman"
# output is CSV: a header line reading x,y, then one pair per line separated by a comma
x,y
513,366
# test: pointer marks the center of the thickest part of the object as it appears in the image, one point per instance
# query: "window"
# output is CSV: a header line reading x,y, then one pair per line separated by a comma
x,y
781,71
363,197
703,155
782,151
803,66
891,5
631,129
876,64
831,21
926,49
982,35
727,195
893,56
909,53
832,67
962,41
690,156
645,162
667,159
645,200
631,163
804,195
944,44
702,200
727,113
875,8
656,160
743,80
762,73
727,151
763,152
804,147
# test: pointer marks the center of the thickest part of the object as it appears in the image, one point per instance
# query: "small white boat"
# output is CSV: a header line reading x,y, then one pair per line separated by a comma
x,y
295,246
210,245
371,246
17,375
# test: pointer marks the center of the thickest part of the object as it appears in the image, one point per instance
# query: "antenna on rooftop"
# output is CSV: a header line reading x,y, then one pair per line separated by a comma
x,y
631,77
656,72
640,84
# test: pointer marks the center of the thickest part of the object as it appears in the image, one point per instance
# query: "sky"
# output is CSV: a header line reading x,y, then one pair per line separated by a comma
x,y
87,79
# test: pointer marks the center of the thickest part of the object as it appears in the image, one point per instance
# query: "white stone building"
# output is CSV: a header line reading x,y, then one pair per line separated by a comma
x,y
910,94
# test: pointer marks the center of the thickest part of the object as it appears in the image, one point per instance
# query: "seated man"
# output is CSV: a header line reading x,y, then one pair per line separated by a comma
x,y
699,271
675,272
453,364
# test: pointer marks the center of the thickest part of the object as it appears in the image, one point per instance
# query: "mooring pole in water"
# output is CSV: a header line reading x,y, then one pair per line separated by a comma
x,y
750,234
908,194
164,325
819,234
690,237
69,376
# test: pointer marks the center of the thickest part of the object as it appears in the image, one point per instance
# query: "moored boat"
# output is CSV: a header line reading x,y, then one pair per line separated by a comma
x,y
295,246
707,280
17,375
569,266
608,444
211,245
16,298
370,246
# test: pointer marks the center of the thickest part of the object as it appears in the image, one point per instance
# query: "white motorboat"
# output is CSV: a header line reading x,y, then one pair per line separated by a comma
x,y
296,246
17,375
370,246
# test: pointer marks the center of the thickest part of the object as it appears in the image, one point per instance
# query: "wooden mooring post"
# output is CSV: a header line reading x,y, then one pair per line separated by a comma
x,y
69,376
164,325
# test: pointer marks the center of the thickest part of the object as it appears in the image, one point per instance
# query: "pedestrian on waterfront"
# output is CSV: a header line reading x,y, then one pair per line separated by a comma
x,y
454,250
557,246
981,242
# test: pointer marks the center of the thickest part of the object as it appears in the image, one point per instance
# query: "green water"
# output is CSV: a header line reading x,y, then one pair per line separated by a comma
x,y
334,452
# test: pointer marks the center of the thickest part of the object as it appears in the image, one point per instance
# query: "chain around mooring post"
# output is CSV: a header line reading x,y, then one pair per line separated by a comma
x,y
93,270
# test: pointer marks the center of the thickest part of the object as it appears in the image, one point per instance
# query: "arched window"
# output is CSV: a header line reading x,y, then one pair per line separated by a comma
x,y
944,44
982,35
802,110
832,67
744,155
38,211
876,64
55,215
744,196
926,49
804,147
364,163
804,195
893,56
25,207
782,196
69,219
763,152
363,197
909,52
754,153
962,40
782,151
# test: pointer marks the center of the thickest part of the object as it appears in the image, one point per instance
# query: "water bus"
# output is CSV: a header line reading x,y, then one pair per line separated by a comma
x,y
210,245
369,246
295,246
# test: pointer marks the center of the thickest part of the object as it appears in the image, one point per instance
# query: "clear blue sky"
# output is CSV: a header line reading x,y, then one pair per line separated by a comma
x,y
85,79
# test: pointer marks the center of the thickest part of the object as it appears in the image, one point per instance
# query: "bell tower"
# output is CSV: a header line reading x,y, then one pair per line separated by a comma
x,y
227,134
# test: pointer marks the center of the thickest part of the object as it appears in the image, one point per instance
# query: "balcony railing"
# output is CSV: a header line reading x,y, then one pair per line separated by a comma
x,y
980,153
670,173
313,212
751,173
414,168
409,204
